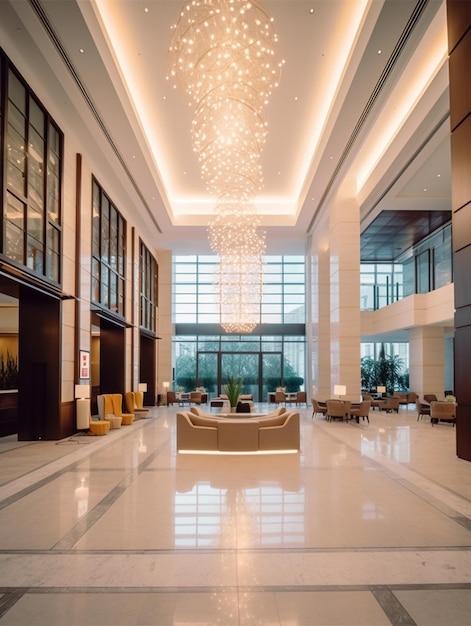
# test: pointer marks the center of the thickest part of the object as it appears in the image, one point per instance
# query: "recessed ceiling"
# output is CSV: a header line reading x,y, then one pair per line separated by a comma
x,y
361,101
394,232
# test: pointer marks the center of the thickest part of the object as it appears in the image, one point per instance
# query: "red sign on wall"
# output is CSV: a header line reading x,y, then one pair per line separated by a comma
x,y
84,364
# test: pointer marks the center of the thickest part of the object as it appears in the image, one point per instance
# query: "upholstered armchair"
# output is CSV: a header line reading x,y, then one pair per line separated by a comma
x,y
442,412
390,404
402,397
375,404
195,397
105,411
117,399
363,411
318,409
301,398
171,398
338,409
280,396
423,409
134,403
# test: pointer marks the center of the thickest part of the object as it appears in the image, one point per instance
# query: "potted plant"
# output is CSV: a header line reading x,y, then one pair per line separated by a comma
x,y
232,390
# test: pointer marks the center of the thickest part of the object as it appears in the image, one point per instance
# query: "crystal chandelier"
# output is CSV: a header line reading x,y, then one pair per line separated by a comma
x,y
222,54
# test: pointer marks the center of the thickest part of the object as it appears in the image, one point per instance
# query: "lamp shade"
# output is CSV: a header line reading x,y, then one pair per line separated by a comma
x,y
82,391
381,389
166,385
340,390
142,387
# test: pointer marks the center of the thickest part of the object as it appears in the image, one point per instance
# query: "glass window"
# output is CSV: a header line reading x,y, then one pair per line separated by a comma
x,y
148,288
108,250
33,198
195,302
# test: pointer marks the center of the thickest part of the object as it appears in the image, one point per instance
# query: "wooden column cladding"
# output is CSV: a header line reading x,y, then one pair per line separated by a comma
x,y
459,48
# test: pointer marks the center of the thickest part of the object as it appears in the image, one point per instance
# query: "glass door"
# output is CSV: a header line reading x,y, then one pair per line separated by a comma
x,y
261,372
271,374
207,372
245,365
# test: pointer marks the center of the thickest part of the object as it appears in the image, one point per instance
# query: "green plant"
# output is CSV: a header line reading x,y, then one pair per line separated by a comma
x,y
232,389
386,371
8,371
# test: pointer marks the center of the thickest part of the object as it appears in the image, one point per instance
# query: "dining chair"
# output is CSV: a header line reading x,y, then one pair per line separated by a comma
x,y
318,409
442,412
337,409
423,409
363,411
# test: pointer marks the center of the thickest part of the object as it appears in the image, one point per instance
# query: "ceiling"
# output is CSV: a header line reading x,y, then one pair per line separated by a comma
x,y
361,112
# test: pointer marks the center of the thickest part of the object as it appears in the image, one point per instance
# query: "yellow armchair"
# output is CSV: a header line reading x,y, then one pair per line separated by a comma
x,y
105,411
117,399
135,402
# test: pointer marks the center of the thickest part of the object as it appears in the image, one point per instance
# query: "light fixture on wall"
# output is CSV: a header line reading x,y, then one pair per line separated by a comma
x,y
222,53
82,405
340,390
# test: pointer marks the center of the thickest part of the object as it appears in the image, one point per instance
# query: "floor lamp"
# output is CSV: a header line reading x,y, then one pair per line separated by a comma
x,y
166,387
340,390
82,405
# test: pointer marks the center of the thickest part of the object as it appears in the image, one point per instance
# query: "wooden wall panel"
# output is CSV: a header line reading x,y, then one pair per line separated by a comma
x,y
459,19
460,90
461,165
462,228
462,277
459,45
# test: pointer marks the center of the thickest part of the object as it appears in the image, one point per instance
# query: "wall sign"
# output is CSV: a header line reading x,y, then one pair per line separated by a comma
x,y
84,364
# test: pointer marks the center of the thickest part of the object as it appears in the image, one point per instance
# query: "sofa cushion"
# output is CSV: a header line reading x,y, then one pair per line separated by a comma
x,y
238,435
272,420
203,420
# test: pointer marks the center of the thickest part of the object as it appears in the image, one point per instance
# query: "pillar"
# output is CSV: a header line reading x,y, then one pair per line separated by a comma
x,y
427,360
318,331
345,328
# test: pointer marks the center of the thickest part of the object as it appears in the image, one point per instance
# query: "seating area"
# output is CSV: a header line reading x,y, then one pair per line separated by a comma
x,y
191,397
278,431
430,407
223,401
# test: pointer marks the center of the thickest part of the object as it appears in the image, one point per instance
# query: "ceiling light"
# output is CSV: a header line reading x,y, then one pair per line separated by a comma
x,y
222,53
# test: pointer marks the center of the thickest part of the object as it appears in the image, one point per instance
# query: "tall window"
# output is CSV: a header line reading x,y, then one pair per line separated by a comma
x,y
425,267
33,170
274,355
108,253
380,284
148,289
195,293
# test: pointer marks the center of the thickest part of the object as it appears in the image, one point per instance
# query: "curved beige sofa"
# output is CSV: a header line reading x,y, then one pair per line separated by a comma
x,y
276,431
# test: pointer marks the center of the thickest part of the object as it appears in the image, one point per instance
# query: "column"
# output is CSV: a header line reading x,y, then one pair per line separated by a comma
x,y
427,360
318,330
345,329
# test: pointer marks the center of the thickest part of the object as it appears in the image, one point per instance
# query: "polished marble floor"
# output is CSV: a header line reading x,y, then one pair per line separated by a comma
x,y
369,525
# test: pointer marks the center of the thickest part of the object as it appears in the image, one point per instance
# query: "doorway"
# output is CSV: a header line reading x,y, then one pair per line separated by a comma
x,y
261,372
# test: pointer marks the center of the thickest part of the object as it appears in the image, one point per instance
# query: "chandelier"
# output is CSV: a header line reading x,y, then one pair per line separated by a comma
x,y
222,54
